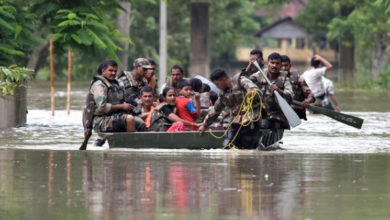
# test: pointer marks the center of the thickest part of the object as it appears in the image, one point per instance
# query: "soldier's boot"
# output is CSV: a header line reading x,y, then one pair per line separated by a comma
x,y
99,142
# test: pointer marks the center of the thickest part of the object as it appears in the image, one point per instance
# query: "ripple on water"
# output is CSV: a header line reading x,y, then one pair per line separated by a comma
x,y
317,135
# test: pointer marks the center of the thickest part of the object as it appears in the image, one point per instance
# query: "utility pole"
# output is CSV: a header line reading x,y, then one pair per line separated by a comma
x,y
163,44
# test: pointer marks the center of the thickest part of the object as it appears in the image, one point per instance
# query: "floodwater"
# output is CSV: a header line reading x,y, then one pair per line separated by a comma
x,y
327,171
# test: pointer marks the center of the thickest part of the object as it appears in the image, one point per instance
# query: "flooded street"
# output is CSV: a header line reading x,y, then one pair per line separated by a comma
x,y
328,170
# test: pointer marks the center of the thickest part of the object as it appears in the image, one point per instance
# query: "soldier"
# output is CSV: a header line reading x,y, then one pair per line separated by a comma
x,y
274,117
255,55
301,91
134,81
230,97
110,109
151,78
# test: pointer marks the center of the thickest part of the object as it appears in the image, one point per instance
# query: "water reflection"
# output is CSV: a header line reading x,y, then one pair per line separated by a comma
x,y
182,184
108,185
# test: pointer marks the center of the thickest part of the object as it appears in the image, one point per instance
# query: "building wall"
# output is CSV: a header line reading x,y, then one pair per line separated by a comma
x,y
13,109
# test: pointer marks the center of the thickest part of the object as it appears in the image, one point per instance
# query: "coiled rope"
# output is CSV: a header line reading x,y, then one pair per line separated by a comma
x,y
247,111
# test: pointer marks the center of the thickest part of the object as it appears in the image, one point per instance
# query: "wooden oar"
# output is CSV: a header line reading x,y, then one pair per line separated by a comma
x,y
290,114
87,135
338,116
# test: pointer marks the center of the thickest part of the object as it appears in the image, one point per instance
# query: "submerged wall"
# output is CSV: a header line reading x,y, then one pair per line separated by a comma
x,y
13,109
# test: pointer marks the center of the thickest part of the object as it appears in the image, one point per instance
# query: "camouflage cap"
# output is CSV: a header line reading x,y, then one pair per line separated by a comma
x,y
142,62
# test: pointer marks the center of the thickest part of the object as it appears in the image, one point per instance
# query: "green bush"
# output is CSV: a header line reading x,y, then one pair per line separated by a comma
x,y
12,77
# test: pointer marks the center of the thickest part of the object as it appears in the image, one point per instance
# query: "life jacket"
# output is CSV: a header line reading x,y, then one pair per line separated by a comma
x,y
158,121
270,103
296,86
90,107
131,86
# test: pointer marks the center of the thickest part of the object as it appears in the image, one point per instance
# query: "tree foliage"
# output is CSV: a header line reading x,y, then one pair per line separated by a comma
x,y
16,33
85,26
231,24
12,77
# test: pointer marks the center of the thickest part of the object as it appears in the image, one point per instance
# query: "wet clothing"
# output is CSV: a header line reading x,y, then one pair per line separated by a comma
x,y
107,93
329,90
160,120
273,113
131,86
186,110
313,78
299,90
230,100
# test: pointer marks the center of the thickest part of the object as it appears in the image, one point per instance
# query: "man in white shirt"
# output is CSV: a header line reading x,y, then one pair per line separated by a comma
x,y
329,94
313,77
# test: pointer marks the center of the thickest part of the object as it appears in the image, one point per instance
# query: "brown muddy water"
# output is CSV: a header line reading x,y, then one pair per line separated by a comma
x,y
327,170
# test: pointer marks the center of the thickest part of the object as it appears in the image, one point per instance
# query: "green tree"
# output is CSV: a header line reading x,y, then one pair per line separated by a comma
x,y
16,33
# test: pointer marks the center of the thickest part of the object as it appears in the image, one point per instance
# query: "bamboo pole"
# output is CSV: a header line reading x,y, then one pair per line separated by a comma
x,y
52,78
69,81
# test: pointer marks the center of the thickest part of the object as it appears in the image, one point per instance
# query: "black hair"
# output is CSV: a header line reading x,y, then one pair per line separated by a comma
x,y
164,93
152,62
315,63
258,52
205,88
196,84
146,89
284,58
274,56
106,64
179,68
218,74
166,89
213,96
183,83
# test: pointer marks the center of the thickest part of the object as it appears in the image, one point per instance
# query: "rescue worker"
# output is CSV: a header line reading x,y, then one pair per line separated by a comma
x,y
111,112
274,117
301,91
230,97
134,81
255,55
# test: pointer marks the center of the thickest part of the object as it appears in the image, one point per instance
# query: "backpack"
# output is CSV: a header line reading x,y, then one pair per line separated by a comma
x,y
90,107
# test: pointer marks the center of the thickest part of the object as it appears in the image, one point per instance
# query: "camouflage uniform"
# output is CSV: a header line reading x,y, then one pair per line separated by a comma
x,y
250,72
131,86
299,90
107,93
230,101
273,114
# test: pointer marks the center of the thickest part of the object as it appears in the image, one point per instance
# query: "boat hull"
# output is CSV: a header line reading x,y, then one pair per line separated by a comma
x,y
177,140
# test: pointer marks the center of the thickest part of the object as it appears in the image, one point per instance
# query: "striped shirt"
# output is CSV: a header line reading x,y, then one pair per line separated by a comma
x,y
313,78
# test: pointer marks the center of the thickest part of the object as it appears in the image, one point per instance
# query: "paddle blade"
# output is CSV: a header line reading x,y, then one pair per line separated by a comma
x,y
290,114
84,144
338,116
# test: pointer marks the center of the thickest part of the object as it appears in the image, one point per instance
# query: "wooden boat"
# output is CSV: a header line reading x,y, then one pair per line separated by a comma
x,y
177,140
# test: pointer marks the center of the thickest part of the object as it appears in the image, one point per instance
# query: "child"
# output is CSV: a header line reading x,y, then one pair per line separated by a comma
x,y
185,106
164,117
